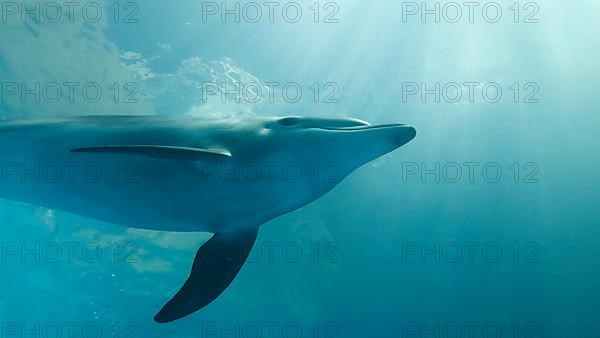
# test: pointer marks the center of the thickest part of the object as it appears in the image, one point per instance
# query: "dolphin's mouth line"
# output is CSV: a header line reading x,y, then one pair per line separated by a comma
x,y
366,127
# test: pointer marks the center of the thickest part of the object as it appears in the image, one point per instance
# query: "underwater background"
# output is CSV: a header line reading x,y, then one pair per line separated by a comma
x,y
485,225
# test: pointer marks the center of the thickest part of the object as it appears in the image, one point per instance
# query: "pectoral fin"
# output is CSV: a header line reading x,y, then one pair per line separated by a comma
x,y
216,264
179,153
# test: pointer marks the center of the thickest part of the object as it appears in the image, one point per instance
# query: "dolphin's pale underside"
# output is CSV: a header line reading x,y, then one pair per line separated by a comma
x,y
179,183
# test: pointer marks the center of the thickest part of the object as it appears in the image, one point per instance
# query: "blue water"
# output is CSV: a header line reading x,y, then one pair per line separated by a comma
x,y
402,248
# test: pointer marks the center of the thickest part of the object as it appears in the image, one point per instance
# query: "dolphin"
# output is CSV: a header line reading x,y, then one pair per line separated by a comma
x,y
183,174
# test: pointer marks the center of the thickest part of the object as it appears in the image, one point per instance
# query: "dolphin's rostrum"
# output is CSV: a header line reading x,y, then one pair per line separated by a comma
x,y
225,176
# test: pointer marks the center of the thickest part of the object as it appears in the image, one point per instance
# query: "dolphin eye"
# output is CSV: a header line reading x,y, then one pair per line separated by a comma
x,y
289,121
